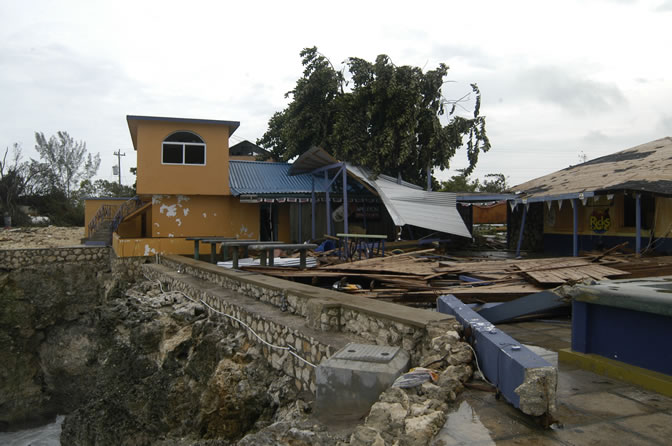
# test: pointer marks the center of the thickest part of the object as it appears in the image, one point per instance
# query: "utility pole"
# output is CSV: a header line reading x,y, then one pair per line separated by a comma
x,y
118,154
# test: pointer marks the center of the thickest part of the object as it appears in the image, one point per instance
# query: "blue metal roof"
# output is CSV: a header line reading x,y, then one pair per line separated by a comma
x,y
260,177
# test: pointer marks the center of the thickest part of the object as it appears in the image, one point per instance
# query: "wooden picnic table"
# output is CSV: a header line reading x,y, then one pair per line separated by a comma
x,y
356,243
235,244
265,248
213,245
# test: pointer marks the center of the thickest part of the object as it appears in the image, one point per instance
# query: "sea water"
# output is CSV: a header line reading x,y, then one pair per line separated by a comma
x,y
47,435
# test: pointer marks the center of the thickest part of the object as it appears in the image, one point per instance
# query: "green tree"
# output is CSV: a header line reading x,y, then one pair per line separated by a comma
x,y
104,188
493,183
65,161
389,119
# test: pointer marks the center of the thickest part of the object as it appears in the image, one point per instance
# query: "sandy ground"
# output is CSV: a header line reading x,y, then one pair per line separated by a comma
x,y
40,237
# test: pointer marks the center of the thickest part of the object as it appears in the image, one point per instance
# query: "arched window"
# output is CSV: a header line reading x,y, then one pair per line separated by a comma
x,y
183,148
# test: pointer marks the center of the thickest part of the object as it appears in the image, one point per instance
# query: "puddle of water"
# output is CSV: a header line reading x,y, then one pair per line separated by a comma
x,y
48,435
463,425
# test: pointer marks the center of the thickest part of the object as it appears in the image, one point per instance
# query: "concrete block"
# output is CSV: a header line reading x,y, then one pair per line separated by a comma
x,y
524,379
351,380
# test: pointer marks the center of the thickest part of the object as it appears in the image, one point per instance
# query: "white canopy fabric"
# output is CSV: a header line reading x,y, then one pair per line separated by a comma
x,y
409,204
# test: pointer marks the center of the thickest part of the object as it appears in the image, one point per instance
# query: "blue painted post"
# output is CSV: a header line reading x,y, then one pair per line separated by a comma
x,y
345,199
312,201
638,222
522,228
328,201
575,237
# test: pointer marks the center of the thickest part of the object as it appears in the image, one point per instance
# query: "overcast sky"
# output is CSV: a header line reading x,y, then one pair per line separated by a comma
x,y
557,77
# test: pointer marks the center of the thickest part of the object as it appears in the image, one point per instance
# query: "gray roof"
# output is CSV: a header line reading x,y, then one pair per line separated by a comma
x,y
642,168
261,178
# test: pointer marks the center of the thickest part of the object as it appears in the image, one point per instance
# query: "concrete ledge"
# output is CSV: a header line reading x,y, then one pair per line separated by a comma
x,y
395,312
648,379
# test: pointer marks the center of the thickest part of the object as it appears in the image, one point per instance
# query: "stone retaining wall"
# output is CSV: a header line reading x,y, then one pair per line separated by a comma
x,y
281,330
325,310
11,259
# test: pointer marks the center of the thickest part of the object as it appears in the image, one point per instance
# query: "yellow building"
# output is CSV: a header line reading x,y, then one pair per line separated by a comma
x,y
182,186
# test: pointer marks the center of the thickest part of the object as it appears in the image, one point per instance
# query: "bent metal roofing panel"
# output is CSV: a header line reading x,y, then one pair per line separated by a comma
x,y
645,167
411,205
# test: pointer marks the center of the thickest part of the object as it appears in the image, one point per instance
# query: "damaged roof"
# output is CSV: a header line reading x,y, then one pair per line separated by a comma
x,y
643,168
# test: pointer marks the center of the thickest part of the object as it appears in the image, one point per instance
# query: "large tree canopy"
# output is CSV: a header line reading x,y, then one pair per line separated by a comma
x,y
385,117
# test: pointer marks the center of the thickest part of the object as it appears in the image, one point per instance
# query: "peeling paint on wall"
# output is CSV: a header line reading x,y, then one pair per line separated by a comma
x,y
186,211
205,215
149,250
171,235
171,211
179,222
156,224
181,198
156,199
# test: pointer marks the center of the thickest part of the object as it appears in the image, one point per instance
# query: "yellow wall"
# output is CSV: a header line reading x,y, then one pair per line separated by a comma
x,y
91,207
175,216
560,221
134,247
157,178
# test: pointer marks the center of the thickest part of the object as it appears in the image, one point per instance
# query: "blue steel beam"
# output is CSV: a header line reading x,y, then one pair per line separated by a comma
x,y
328,202
575,232
344,172
522,228
536,303
506,363
638,222
312,201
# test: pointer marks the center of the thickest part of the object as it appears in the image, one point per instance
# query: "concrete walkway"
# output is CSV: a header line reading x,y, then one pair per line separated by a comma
x,y
592,409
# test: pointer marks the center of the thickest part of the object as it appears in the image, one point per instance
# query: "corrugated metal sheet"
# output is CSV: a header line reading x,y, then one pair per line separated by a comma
x,y
410,205
311,160
257,177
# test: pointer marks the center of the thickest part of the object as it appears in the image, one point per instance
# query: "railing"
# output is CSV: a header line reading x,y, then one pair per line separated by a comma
x,y
124,211
104,213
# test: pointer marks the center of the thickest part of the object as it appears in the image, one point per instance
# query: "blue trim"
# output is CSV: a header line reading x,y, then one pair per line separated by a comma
x,y
573,196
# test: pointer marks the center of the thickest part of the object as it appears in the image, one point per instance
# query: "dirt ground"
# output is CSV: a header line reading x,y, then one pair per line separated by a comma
x,y
40,237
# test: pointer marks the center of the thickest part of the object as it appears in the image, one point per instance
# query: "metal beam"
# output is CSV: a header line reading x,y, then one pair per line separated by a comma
x,y
328,201
525,380
344,173
328,167
536,303
522,228
312,201
638,222
575,232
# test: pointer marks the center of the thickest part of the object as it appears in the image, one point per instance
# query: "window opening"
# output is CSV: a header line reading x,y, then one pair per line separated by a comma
x,y
183,148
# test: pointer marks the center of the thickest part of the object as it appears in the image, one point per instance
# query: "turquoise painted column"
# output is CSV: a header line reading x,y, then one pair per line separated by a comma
x,y
328,201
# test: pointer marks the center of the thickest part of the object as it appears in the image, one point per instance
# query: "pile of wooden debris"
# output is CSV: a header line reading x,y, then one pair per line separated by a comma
x,y
419,277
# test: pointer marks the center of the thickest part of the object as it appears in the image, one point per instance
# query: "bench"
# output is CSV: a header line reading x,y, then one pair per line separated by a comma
x,y
235,244
265,248
213,242
371,244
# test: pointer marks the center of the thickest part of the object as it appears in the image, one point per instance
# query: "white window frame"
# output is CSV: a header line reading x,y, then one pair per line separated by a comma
x,y
184,148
